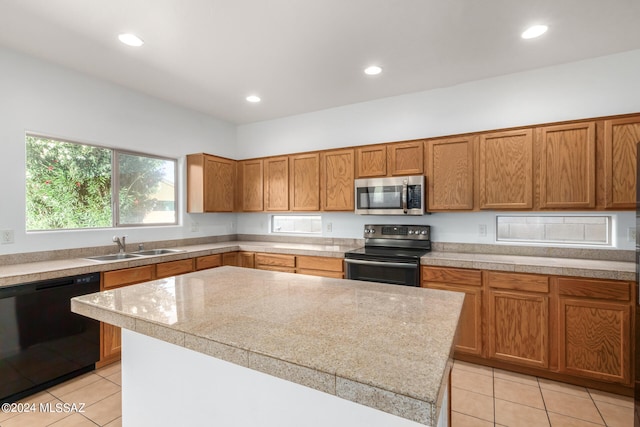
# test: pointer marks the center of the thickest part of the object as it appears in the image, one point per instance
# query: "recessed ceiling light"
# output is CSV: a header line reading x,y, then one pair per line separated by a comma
x,y
534,31
372,70
253,98
130,39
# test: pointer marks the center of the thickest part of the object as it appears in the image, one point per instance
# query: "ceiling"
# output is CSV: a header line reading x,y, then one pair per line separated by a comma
x,y
302,55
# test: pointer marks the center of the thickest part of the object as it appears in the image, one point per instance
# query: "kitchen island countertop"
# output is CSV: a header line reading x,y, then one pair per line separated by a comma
x,y
386,347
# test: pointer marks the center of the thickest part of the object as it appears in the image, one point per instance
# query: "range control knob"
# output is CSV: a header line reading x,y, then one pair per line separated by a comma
x,y
423,232
372,231
410,231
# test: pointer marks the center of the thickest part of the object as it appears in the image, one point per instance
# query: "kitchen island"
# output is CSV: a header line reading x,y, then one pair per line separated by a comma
x,y
234,346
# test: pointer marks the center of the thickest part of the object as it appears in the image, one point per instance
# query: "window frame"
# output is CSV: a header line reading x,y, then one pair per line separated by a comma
x,y
115,185
294,233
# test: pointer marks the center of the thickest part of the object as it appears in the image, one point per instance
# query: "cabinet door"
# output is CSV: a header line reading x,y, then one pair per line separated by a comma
x,y
594,322
110,343
371,161
246,259
337,174
275,262
276,184
506,170
450,173
250,183
518,320
567,166
219,185
304,182
208,261
320,266
230,258
620,145
406,158
469,338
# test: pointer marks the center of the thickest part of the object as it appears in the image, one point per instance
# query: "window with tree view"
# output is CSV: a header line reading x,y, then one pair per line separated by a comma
x,y
72,186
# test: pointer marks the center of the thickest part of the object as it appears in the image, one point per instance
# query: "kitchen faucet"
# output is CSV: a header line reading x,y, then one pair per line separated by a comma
x,y
120,243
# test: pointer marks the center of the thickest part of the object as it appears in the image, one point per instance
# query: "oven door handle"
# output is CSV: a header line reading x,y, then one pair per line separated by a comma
x,y
381,263
405,194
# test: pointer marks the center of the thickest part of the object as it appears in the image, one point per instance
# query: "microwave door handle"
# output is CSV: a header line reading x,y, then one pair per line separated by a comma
x,y
405,195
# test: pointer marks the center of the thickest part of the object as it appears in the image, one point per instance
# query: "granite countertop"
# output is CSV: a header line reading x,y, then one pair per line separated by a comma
x,y
387,347
41,270
590,268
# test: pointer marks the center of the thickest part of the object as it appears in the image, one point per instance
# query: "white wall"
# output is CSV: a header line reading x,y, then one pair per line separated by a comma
x,y
37,96
591,88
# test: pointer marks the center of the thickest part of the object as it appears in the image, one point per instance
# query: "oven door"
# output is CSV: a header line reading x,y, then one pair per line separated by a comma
x,y
400,272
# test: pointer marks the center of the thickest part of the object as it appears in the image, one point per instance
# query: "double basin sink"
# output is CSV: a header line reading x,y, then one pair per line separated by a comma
x,y
127,255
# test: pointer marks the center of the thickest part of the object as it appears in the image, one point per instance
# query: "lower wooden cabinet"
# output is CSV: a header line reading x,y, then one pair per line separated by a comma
x,y
275,262
320,266
567,328
110,336
208,261
518,318
594,325
469,339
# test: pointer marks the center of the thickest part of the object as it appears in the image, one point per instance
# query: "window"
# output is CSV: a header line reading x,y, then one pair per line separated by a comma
x,y
575,230
297,224
73,186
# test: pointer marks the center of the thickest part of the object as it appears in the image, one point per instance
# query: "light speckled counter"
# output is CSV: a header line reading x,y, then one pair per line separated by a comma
x,y
386,347
597,269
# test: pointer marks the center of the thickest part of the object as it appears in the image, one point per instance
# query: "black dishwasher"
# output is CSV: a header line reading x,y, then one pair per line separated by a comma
x,y
42,342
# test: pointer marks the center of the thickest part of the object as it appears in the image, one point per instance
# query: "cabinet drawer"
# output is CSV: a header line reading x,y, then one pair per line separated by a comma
x,y
173,268
601,289
321,273
518,282
128,276
458,276
276,268
319,263
208,261
275,260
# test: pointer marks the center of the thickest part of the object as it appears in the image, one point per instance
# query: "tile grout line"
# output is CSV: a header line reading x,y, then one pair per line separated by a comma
x,y
544,403
597,409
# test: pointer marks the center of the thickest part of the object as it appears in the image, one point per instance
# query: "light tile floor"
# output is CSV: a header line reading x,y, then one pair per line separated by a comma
x,y
99,391
481,396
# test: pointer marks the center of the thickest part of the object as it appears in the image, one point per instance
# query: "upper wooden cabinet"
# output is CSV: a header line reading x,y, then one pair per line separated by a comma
x,y
304,182
371,161
567,166
276,184
450,170
620,145
506,170
210,183
406,158
336,180
250,185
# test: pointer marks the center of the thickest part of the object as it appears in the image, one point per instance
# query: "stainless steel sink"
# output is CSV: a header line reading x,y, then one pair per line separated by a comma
x,y
158,251
112,257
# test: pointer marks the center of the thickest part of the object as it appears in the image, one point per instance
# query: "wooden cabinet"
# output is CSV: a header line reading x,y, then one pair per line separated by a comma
x,y
275,262
246,259
304,182
320,266
567,166
406,158
620,145
111,336
250,185
276,184
595,329
469,338
506,170
518,318
173,268
336,180
371,161
231,258
208,261
210,183
450,173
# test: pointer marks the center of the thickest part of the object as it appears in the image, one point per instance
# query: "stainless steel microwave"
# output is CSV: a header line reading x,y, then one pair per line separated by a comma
x,y
402,195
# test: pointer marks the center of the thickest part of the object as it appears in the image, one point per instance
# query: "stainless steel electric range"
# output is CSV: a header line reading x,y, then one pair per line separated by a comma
x,y
391,254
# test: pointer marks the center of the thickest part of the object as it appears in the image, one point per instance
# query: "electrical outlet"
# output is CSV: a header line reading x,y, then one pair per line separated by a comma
x,y
631,234
6,236
482,230
195,227
329,227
